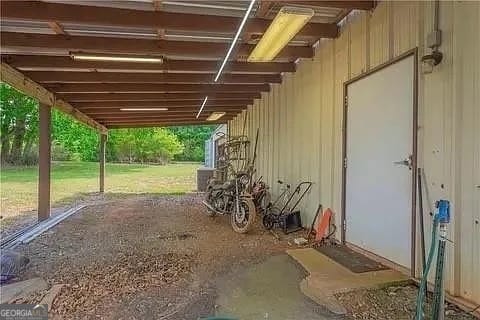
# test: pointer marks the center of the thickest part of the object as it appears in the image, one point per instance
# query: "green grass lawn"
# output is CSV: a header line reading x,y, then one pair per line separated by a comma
x,y
71,180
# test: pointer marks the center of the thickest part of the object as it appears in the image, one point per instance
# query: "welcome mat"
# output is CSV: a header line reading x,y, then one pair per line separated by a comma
x,y
352,260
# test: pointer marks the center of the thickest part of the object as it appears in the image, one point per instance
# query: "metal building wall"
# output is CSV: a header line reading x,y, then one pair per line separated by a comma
x,y
300,120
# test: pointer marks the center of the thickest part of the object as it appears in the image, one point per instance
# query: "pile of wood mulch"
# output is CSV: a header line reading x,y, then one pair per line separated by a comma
x,y
395,302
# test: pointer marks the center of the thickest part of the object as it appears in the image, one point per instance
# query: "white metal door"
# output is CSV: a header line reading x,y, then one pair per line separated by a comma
x,y
378,204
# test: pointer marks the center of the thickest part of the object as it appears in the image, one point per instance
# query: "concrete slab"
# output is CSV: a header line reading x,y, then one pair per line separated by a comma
x,y
20,289
326,278
269,290
50,296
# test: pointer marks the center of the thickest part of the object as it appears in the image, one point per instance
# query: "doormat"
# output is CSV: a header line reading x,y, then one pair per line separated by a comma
x,y
352,260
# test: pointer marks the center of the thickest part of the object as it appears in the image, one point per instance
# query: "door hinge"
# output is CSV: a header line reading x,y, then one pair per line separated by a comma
x,y
344,162
346,101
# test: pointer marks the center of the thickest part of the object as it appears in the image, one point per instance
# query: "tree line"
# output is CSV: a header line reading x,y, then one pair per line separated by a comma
x,y
73,141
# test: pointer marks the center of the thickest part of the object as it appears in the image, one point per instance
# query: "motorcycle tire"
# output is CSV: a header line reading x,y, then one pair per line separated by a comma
x,y
268,221
249,206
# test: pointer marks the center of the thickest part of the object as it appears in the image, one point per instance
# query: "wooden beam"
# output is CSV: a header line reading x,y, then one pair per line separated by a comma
x,y
164,124
128,18
142,104
136,77
20,82
181,109
199,96
56,27
102,148
30,42
157,5
64,62
127,115
341,4
94,112
44,156
264,7
159,120
148,87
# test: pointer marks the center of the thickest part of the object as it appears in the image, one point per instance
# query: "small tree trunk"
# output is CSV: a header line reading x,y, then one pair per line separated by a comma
x,y
5,150
17,143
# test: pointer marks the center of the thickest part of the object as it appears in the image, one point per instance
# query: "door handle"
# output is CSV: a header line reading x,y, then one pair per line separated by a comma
x,y
406,162
402,162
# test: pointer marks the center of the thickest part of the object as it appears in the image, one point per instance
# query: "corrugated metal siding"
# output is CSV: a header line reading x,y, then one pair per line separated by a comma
x,y
300,120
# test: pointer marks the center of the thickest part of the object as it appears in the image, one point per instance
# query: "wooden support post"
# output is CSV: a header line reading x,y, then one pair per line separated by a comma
x,y
103,142
44,162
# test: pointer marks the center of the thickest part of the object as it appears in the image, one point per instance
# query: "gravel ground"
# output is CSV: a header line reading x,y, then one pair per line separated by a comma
x,y
161,257
391,303
142,257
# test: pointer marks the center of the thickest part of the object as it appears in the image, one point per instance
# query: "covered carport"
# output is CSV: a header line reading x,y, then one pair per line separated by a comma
x,y
154,63
137,64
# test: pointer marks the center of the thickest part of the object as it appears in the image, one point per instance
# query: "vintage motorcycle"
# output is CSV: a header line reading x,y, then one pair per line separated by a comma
x,y
231,198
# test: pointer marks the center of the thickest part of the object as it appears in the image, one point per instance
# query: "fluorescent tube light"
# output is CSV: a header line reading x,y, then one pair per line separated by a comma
x,y
203,105
287,23
215,116
240,28
144,109
114,58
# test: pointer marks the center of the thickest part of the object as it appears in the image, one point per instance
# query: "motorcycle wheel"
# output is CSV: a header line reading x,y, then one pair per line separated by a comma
x,y
263,202
268,221
248,211
210,213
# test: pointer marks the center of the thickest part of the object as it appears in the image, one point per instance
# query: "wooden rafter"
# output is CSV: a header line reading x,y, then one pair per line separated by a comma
x,y
199,96
116,108
140,104
21,82
89,15
56,27
162,124
94,112
52,62
149,87
155,120
184,111
341,4
264,7
30,41
191,116
115,77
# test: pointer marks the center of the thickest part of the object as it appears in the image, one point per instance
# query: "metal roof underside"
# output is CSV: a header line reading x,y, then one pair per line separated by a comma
x,y
37,38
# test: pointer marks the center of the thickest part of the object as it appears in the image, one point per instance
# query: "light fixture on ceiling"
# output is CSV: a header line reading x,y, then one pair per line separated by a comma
x,y
144,109
215,116
237,35
114,58
203,105
287,23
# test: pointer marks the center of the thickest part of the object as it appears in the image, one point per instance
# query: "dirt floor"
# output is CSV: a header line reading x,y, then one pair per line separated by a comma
x,y
162,257
142,257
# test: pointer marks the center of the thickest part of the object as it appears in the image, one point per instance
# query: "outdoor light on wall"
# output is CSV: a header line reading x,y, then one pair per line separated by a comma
x,y
114,58
287,23
144,109
215,116
431,60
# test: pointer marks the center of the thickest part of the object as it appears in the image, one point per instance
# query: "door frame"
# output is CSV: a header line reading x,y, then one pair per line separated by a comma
x,y
413,52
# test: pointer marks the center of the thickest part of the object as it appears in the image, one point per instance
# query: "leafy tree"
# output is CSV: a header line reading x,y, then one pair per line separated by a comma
x,y
143,145
72,140
79,141
19,125
193,138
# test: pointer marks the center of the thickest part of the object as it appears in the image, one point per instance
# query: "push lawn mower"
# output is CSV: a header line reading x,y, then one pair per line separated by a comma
x,y
284,215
